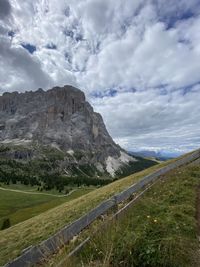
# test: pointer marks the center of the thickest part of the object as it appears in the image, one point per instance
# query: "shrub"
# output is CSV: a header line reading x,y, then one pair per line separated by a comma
x,y
5,224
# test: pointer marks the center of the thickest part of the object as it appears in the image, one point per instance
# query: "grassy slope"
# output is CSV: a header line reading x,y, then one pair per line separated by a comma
x,y
29,188
19,207
159,230
38,228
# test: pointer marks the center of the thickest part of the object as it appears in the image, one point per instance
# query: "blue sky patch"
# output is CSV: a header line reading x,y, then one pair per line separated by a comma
x,y
188,88
108,93
29,47
170,21
11,33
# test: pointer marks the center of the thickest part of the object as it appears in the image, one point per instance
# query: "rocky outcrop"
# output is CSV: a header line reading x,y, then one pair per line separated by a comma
x,y
61,118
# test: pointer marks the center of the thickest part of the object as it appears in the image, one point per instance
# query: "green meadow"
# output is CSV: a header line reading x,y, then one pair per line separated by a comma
x,y
20,206
38,228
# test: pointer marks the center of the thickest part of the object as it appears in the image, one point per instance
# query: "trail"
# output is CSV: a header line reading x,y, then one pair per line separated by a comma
x,y
36,193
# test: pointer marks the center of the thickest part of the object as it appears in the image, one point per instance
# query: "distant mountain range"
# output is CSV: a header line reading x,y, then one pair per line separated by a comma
x,y
160,155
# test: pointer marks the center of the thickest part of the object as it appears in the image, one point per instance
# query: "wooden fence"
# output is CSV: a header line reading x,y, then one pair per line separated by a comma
x,y
37,253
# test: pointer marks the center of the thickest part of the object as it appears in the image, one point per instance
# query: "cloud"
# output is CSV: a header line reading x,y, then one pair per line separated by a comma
x,y
146,119
137,61
172,12
21,68
5,9
157,57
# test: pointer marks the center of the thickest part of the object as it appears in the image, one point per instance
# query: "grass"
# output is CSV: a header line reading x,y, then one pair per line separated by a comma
x,y
34,189
29,188
19,186
159,230
13,202
38,228
19,207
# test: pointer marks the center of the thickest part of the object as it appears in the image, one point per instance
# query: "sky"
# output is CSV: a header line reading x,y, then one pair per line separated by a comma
x,y
138,62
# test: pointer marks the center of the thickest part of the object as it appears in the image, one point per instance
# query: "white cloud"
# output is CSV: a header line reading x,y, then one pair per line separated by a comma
x,y
159,58
149,119
151,48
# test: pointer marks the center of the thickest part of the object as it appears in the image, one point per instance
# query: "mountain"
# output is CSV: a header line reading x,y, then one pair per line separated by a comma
x,y
160,155
57,132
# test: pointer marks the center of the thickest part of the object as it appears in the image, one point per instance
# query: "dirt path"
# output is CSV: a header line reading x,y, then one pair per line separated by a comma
x,y
36,193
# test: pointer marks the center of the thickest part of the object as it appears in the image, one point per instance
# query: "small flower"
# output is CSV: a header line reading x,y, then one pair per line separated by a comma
x,y
148,216
155,221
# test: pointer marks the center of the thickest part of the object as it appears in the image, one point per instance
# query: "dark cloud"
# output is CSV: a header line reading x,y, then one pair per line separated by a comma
x,y
69,33
20,63
51,46
67,11
5,9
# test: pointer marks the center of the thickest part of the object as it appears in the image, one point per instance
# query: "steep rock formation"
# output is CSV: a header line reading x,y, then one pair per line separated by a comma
x,y
63,119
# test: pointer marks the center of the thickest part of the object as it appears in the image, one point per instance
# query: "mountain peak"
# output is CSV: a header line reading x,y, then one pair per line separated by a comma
x,y
60,118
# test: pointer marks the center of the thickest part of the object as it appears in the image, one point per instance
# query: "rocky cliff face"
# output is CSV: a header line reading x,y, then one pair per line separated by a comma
x,y
60,118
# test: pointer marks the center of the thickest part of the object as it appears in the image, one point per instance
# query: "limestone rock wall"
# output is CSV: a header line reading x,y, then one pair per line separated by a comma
x,y
61,117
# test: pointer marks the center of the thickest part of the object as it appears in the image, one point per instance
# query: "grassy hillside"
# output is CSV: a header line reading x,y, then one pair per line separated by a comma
x,y
20,206
159,230
38,228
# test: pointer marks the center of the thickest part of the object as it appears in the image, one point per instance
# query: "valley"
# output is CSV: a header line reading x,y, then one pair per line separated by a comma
x,y
40,227
19,205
